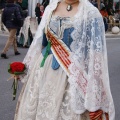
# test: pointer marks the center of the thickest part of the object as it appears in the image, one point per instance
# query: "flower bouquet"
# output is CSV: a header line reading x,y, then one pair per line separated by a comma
x,y
16,69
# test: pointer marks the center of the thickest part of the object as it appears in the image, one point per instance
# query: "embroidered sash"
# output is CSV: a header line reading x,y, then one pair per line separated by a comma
x,y
98,115
60,50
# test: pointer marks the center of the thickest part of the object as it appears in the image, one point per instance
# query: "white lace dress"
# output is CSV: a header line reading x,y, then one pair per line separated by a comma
x,y
49,94
46,96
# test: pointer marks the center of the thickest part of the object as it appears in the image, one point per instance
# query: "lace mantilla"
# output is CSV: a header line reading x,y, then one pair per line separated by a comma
x,y
89,71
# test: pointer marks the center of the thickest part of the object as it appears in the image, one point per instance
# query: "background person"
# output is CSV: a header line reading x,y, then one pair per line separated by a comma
x,y
102,5
9,21
104,14
25,4
117,17
111,12
41,11
2,6
25,36
24,14
23,10
117,7
37,12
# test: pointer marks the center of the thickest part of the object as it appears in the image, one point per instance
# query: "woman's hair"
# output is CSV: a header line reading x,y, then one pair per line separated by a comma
x,y
37,4
10,1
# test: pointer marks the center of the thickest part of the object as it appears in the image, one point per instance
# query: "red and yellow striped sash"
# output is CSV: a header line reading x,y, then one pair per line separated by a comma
x,y
60,50
98,115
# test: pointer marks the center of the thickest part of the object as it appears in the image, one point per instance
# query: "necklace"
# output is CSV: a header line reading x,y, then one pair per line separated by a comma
x,y
69,5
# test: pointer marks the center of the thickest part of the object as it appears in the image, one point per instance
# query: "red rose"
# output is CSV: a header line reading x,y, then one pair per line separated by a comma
x,y
16,68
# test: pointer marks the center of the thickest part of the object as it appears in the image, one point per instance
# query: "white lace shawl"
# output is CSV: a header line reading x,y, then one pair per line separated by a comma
x,y
89,81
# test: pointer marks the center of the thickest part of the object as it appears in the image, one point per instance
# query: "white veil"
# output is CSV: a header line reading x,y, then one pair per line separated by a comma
x,y
89,70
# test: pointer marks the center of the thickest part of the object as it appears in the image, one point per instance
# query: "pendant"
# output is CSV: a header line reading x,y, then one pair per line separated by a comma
x,y
69,8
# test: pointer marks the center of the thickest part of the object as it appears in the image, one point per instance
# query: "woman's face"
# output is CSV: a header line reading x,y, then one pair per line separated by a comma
x,y
42,8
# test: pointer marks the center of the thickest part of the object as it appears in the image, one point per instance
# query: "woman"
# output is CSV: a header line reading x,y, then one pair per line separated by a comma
x,y
37,12
41,11
67,76
104,14
8,18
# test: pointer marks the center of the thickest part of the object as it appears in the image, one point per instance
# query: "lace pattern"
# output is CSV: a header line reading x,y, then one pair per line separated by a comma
x,y
88,67
66,112
89,70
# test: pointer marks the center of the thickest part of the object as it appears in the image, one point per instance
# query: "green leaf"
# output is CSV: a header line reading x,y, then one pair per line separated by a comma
x,y
9,70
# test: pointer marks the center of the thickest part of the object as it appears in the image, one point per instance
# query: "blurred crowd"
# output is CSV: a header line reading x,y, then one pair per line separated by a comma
x,y
39,10
110,13
14,17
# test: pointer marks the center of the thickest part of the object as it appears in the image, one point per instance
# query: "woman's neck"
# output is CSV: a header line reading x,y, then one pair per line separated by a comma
x,y
62,10
71,1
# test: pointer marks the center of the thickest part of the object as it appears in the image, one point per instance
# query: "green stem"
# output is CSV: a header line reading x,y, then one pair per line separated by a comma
x,y
15,83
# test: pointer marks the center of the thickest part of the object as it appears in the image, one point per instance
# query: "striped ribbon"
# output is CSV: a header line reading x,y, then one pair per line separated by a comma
x,y
98,115
60,51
